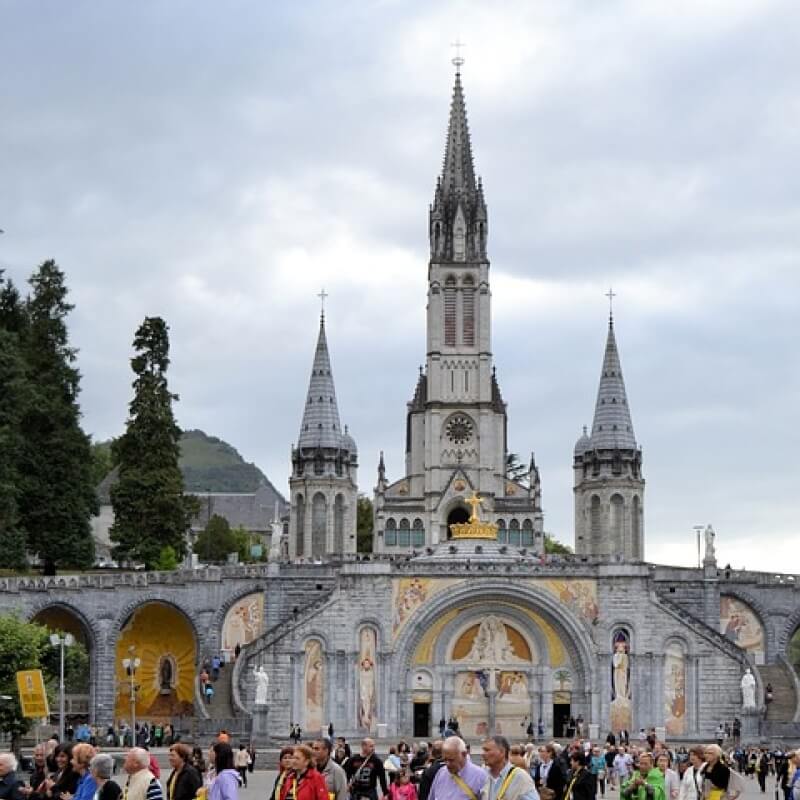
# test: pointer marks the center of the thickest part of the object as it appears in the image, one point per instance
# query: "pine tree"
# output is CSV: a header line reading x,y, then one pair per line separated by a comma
x,y
151,511
57,497
14,396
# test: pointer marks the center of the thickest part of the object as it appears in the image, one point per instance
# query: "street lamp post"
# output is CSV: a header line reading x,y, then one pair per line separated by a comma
x,y
67,640
131,664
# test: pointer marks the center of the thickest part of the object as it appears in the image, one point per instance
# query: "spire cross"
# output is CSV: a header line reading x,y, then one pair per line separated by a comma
x,y
474,503
458,60
322,295
611,294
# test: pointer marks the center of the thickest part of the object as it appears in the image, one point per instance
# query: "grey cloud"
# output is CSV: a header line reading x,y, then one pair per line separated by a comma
x,y
178,161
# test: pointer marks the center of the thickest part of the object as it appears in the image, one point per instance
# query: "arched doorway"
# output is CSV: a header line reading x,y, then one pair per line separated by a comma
x,y
78,673
163,640
457,516
509,671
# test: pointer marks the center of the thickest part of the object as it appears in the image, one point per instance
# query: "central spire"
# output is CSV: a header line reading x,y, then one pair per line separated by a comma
x,y
458,220
458,171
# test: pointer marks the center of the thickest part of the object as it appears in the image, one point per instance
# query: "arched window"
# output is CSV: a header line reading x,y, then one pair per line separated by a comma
x,y
468,312
404,533
617,524
390,534
527,533
301,525
636,526
418,533
338,524
502,533
319,525
450,312
513,533
596,523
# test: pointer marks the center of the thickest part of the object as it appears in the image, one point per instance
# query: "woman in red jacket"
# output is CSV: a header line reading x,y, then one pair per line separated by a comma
x,y
304,782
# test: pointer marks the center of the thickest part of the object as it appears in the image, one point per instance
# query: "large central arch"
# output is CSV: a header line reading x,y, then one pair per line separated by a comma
x,y
531,611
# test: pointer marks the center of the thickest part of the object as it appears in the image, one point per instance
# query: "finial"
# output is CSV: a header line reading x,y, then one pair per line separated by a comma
x,y
420,370
610,294
585,431
458,61
322,295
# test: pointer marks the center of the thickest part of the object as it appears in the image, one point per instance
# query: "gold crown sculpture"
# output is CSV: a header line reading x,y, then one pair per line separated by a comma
x,y
474,529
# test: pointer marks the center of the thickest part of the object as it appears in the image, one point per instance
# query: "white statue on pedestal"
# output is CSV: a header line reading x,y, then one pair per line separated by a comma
x,y
748,685
262,685
711,554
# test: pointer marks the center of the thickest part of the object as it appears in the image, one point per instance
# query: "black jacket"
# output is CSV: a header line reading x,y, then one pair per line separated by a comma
x,y
555,778
110,791
65,783
584,787
186,784
426,781
10,785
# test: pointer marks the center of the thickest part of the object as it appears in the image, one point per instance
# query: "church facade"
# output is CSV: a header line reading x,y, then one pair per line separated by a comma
x,y
489,629
448,617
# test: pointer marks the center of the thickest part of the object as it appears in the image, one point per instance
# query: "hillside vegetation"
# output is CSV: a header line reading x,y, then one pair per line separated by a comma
x,y
207,463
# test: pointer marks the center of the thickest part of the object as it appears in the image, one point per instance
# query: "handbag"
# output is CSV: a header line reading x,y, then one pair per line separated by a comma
x,y
601,774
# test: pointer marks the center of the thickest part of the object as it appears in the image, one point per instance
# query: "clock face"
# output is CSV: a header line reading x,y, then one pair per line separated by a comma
x,y
459,429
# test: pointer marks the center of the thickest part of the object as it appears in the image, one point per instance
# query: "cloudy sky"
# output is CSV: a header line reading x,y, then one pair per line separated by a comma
x,y
216,164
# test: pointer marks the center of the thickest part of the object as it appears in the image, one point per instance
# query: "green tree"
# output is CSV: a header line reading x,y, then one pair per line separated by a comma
x,y
102,460
216,540
22,645
14,397
76,667
364,524
56,497
553,547
151,510
167,559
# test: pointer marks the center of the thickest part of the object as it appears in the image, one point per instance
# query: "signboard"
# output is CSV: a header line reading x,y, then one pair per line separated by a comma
x,y
32,694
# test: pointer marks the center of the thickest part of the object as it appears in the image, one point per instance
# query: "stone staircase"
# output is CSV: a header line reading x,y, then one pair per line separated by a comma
x,y
221,707
784,704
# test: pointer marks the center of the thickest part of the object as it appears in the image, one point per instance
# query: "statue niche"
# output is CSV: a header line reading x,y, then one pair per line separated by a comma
x,y
166,674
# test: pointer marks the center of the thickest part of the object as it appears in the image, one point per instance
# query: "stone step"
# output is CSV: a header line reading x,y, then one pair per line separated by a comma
x,y
221,707
784,704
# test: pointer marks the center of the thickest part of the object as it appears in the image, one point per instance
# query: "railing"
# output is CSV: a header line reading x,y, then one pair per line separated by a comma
x,y
527,564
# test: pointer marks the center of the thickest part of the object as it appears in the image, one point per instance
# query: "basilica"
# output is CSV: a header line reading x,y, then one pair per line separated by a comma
x,y
459,611
463,614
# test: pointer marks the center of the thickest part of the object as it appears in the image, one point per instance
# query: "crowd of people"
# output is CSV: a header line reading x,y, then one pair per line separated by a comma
x,y
446,770
80,771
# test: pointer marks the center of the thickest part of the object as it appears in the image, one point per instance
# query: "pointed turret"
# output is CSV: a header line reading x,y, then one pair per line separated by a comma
x,y
321,426
607,464
458,218
323,484
612,427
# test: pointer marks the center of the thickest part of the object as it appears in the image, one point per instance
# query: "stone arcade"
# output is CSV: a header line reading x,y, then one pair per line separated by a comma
x,y
485,627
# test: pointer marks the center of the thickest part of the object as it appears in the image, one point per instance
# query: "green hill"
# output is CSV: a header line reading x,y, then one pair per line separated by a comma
x,y
208,465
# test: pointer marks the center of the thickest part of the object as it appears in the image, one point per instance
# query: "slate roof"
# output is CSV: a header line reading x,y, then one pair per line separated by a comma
x,y
321,426
612,427
254,512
